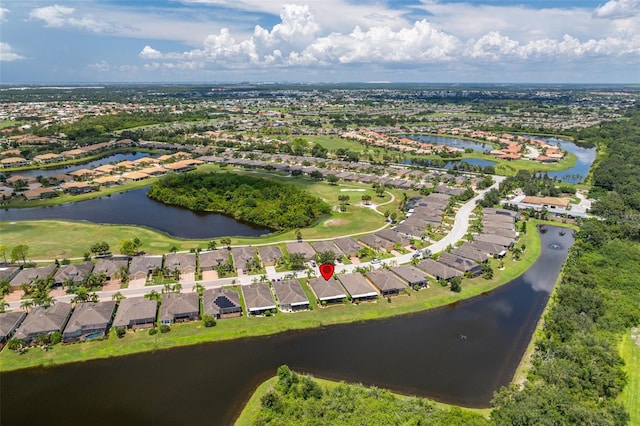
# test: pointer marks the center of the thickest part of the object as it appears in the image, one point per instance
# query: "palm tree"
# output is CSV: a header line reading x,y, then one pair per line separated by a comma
x,y
26,304
177,288
3,305
118,297
154,295
199,288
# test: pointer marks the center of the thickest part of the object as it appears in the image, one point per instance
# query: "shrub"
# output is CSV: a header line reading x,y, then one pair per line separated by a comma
x,y
55,338
164,328
121,331
208,320
153,331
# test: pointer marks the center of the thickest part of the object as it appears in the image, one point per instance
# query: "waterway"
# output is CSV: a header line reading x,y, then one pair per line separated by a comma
x,y
585,158
420,354
135,208
115,158
452,142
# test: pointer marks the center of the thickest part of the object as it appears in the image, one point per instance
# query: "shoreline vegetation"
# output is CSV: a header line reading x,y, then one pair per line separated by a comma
x,y
194,333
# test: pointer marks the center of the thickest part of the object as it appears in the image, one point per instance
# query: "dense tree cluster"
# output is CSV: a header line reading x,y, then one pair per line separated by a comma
x,y
298,400
577,373
254,200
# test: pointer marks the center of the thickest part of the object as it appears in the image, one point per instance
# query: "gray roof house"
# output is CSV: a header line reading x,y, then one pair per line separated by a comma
x,y
327,290
303,248
269,255
290,296
347,245
183,262
143,266
29,275
502,212
44,321
74,272
110,267
492,249
179,307
221,303
386,282
494,239
89,320
242,255
258,298
393,236
322,246
460,263
438,270
8,272
357,286
471,253
412,276
507,233
136,312
210,259
9,321
497,224
376,242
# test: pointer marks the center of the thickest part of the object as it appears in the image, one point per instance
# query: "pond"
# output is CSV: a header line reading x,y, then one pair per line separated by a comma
x,y
135,208
115,158
585,158
453,142
420,354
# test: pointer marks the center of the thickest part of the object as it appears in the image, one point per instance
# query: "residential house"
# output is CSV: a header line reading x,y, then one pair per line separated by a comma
x,y
290,296
242,256
9,321
376,243
76,272
386,282
438,270
471,253
39,193
14,162
136,312
258,298
393,236
8,272
111,268
490,248
411,275
75,188
210,259
29,275
495,239
348,245
143,266
185,263
179,307
221,303
328,291
47,158
460,263
324,246
270,255
303,248
358,287
45,321
90,320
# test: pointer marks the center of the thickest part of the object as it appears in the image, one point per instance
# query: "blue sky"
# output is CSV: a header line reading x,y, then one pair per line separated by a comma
x,y
562,41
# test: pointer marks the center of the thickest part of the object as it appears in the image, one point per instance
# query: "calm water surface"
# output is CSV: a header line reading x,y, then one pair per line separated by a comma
x,y
585,158
420,354
453,142
135,208
115,158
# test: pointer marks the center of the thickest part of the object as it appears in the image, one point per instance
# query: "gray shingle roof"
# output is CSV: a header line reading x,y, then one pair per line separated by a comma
x,y
109,267
347,245
183,262
74,272
357,285
289,292
218,301
29,275
90,315
438,270
135,310
327,290
385,281
179,304
258,297
301,247
270,254
409,274
144,264
9,321
44,321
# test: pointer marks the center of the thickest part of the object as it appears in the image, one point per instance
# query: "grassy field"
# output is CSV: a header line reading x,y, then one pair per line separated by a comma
x,y
194,333
253,404
50,239
630,352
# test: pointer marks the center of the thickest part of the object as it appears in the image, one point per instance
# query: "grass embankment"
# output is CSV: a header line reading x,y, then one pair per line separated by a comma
x,y
194,333
630,352
253,405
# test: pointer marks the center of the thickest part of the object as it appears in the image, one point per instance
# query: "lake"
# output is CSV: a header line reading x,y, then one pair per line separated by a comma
x,y
115,158
420,354
453,142
135,208
585,158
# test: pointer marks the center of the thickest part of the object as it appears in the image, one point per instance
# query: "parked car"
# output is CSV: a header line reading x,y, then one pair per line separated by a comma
x,y
375,261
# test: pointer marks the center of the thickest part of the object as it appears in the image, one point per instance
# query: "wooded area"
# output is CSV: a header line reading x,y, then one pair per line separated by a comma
x,y
577,373
258,201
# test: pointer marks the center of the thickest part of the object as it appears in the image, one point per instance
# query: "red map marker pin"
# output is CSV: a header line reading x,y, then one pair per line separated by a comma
x,y
326,270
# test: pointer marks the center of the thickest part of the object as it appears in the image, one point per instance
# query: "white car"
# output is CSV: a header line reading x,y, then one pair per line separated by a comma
x,y
375,261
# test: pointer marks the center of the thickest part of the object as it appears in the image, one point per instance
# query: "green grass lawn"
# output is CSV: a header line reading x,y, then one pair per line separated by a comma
x,y
630,352
194,333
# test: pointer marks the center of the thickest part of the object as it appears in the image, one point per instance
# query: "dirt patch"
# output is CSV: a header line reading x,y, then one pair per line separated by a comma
x,y
14,296
335,222
635,335
111,285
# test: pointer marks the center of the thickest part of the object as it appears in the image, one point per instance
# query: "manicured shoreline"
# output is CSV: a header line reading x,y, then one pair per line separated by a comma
x,y
194,333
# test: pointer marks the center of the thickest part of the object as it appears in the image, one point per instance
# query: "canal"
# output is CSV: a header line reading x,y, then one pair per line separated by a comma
x,y
420,354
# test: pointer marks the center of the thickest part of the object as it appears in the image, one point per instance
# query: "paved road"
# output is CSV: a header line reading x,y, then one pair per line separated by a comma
x,y
459,230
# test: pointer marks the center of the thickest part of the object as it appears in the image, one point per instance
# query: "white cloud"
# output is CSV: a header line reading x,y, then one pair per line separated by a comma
x,y
102,66
298,40
7,54
57,16
3,14
615,9
53,16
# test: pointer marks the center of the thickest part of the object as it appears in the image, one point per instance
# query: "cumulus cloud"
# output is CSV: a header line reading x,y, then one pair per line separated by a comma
x,y
7,54
615,9
3,14
102,66
298,40
57,16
